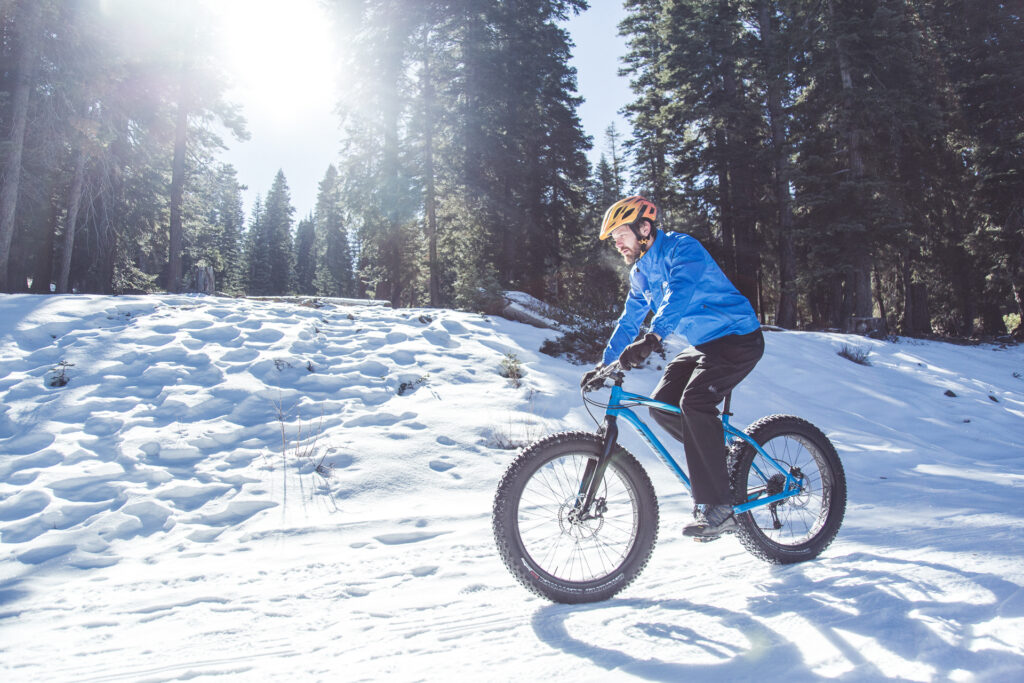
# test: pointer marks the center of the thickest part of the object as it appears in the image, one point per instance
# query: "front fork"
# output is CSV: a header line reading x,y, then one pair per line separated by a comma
x,y
593,474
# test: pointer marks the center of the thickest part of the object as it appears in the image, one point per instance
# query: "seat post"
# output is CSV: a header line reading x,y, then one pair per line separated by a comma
x,y
726,407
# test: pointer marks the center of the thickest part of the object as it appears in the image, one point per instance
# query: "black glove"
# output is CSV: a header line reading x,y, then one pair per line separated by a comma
x,y
589,376
636,353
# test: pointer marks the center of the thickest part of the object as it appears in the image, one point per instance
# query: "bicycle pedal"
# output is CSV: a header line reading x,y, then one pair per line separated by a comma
x,y
706,539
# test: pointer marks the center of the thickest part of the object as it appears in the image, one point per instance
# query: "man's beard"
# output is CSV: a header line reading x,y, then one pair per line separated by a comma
x,y
629,255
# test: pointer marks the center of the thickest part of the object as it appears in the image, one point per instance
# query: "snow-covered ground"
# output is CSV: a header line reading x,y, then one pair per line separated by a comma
x,y
153,526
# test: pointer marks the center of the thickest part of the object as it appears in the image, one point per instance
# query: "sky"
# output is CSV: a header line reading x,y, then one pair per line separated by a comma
x,y
281,60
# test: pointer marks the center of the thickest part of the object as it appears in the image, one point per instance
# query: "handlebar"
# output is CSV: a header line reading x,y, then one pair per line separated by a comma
x,y
614,371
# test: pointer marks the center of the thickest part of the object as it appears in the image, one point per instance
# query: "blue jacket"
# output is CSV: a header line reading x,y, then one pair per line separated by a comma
x,y
678,280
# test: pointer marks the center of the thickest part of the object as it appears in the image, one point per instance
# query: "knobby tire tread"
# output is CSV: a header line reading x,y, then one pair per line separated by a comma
x,y
507,547
742,453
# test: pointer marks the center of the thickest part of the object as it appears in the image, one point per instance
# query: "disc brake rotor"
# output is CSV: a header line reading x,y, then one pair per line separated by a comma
x,y
570,523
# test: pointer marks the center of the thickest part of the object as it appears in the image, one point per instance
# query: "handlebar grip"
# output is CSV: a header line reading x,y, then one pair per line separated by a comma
x,y
613,369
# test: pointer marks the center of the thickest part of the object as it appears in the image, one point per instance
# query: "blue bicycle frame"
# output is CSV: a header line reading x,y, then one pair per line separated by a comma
x,y
619,406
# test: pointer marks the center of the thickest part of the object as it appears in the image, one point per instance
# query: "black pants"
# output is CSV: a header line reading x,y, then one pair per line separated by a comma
x,y
697,380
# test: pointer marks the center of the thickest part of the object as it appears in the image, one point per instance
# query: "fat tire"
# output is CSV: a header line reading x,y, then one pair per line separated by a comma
x,y
505,519
742,454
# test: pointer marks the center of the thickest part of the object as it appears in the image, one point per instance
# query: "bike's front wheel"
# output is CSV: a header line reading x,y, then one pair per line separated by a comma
x,y
546,543
800,527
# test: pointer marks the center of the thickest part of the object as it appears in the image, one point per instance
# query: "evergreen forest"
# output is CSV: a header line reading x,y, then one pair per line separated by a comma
x,y
845,161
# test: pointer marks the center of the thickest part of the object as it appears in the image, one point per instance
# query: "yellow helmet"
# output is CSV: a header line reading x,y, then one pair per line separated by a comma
x,y
627,212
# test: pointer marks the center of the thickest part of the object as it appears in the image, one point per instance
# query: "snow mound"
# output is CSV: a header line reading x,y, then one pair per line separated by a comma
x,y
194,487
187,416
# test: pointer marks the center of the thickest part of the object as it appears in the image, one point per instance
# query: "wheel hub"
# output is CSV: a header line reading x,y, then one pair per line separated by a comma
x,y
580,526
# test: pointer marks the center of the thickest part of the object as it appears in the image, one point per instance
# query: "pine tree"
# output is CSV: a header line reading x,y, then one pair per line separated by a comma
x,y
775,57
334,261
28,37
257,252
377,177
699,129
98,154
230,233
305,256
617,163
215,224
196,95
276,242
648,146
606,186
483,99
982,47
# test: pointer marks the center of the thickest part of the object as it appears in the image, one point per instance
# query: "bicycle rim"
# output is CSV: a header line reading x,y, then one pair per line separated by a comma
x,y
802,517
568,549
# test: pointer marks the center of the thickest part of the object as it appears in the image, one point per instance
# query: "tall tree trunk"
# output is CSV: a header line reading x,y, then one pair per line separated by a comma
x,y
68,243
42,269
880,297
838,301
1017,286
748,262
906,276
785,315
390,79
858,283
612,135
725,204
1015,227
177,196
737,153
30,18
430,198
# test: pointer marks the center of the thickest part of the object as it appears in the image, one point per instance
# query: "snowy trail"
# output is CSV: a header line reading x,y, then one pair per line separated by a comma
x,y
152,529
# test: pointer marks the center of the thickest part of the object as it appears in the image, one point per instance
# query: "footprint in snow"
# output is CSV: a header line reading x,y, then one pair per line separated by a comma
x,y
154,340
102,426
23,504
237,511
454,327
26,444
190,497
153,516
402,357
44,553
220,334
54,517
242,355
369,368
268,336
379,420
88,489
439,338
426,570
403,538
340,461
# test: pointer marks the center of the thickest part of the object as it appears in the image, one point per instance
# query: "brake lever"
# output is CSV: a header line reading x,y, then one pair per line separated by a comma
x,y
607,372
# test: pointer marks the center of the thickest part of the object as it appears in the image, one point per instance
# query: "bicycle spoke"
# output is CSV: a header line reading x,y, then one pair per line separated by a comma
x,y
571,548
802,515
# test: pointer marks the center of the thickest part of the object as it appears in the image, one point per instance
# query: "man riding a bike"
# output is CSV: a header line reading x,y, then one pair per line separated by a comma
x,y
675,277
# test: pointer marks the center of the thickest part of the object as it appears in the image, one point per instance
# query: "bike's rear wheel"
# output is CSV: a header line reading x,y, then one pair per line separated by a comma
x,y
540,536
798,528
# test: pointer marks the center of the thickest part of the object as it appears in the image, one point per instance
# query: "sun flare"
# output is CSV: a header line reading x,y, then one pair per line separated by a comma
x,y
281,54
